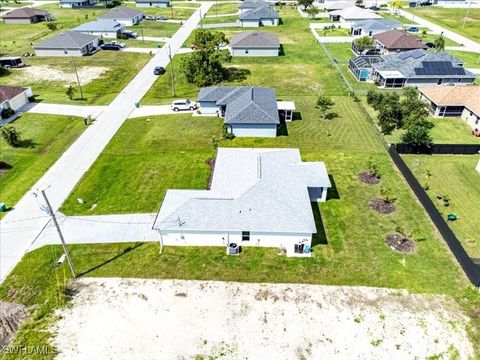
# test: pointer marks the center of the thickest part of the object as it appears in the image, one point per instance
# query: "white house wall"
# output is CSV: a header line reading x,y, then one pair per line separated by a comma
x,y
112,35
153,4
472,119
269,22
253,130
257,239
57,52
209,107
17,21
250,23
253,52
18,101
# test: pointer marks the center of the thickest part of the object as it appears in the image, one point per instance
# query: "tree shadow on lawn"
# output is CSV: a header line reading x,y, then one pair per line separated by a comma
x,y
106,262
320,238
234,74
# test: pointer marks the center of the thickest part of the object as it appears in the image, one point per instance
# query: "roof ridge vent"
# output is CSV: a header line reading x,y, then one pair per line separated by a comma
x,y
259,166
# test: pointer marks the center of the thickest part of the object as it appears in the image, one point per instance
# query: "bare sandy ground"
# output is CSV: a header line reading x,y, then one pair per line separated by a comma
x,y
46,73
171,319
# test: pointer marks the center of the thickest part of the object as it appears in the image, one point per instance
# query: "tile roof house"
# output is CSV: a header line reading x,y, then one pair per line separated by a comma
x,y
102,28
457,101
247,110
258,197
68,43
411,68
394,41
374,26
153,3
260,16
13,97
353,13
255,43
124,15
77,3
252,4
26,16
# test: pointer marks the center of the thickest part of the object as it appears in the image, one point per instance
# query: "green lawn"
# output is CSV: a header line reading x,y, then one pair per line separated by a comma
x,y
445,131
141,44
334,32
46,137
452,19
432,37
156,28
453,176
223,8
13,4
175,12
471,59
399,18
120,68
220,19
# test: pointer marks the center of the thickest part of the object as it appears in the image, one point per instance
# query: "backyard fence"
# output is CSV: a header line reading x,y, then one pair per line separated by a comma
x,y
445,149
471,269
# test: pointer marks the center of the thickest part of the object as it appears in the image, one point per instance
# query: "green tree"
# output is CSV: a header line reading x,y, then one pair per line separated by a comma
x,y
359,2
324,103
363,43
414,110
386,193
70,92
372,167
417,135
51,25
305,3
389,113
374,98
439,43
11,136
204,66
313,11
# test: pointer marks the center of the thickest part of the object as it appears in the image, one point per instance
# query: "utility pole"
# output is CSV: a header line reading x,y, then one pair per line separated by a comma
x,y
201,22
141,29
76,73
466,16
65,248
171,9
216,8
171,69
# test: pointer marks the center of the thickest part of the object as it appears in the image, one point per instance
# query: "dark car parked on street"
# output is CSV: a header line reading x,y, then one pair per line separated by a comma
x,y
110,47
159,70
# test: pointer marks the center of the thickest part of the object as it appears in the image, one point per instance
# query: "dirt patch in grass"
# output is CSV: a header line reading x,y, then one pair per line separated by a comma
x,y
211,164
400,243
382,206
11,317
368,177
47,73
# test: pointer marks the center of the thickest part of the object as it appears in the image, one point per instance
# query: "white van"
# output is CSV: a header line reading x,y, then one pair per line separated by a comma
x,y
184,104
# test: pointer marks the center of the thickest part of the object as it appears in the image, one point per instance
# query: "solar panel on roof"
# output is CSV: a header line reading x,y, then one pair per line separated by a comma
x,y
439,68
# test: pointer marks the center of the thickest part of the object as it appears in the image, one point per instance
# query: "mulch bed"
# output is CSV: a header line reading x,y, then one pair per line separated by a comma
x,y
211,163
368,177
400,243
382,206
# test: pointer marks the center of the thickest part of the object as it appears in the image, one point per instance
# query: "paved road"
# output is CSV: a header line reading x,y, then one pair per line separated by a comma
x,y
469,44
17,234
60,109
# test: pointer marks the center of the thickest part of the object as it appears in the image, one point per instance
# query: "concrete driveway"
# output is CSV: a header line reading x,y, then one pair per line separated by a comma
x,y
60,109
23,224
151,110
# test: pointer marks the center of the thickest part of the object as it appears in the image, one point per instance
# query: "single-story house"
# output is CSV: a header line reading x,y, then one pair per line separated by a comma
x,y
102,28
261,16
252,4
352,14
68,43
247,111
411,68
258,197
153,3
26,16
373,26
395,41
124,15
13,97
454,101
255,43
337,5
77,3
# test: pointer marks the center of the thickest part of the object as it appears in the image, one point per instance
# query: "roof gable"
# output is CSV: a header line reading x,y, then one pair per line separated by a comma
x,y
24,13
399,39
468,96
67,39
9,92
262,12
255,38
121,12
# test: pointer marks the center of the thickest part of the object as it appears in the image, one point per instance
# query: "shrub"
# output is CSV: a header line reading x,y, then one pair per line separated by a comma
x,y
11,136
6,113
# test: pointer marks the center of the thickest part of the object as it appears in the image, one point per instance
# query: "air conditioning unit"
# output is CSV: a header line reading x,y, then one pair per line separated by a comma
x,y
233,249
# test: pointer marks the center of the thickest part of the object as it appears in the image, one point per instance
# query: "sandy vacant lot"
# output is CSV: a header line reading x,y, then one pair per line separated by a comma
x,y
171,319
46,73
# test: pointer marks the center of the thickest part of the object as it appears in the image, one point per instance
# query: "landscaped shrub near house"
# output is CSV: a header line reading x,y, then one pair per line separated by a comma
x,y
6,113
11,136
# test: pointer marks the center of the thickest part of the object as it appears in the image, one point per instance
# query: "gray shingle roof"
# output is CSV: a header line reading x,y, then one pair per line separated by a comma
x,y
67,40
259,13
255,38
252,4
377,24
152,1
244,104
406,62
103,25
121,12
252,190
25,13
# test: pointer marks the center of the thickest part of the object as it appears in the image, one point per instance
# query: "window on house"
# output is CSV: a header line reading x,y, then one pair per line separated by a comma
x,y
439,82
245,235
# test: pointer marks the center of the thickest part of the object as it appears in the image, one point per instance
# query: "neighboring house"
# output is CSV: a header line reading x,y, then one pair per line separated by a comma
x,y
457,101
77,3
261,16
13,97
411,68
395,41
26,16
255,43
247,111
352,14
124,15
68,43
258,197
153,3
252,4
102,28
337,5
373,26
